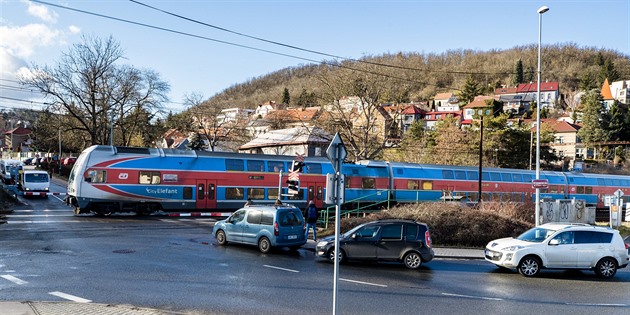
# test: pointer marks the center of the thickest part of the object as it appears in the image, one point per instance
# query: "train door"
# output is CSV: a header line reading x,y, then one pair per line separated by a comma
x,y
206,194
315,192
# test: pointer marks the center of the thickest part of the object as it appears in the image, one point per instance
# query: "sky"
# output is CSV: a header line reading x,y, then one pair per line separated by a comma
x,y
193,57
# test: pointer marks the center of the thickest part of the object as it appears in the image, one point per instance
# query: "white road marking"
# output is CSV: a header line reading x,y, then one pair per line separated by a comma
x,y
33,210
38,215
472,297
597,304
366,283
284,269
47,221
69,297
14,279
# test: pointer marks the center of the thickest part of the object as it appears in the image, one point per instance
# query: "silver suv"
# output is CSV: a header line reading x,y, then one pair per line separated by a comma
x,y
561,246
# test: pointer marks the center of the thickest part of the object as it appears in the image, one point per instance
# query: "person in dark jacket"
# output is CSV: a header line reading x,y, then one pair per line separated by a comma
x,y
311,220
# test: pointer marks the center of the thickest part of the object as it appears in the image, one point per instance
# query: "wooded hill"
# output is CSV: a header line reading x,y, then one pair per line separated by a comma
x,y
424,75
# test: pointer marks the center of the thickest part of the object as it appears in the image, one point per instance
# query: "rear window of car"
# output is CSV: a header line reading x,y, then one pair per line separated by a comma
x,y
289,218
590,237
253,217
267,218
412,232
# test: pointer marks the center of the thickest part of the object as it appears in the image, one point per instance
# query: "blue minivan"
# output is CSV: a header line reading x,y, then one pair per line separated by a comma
x,y
266,226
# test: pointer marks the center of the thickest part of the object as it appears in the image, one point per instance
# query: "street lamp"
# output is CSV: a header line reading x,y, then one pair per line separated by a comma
x,y
480,156
540,11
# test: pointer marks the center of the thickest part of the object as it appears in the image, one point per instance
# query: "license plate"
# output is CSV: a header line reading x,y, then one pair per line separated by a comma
x,y
292,237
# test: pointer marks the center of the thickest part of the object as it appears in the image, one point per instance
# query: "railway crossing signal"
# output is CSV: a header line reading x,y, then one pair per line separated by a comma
x,y
297,166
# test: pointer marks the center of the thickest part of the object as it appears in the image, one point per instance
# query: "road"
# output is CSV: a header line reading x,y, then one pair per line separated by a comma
x,y
47,254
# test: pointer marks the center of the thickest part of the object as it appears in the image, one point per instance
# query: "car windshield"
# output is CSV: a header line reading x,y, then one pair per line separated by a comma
x,y
535,235
347,234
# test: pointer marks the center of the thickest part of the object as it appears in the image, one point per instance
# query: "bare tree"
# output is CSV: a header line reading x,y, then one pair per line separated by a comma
x,y
87,86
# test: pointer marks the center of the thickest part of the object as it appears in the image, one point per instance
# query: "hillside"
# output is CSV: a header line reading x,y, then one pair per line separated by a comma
x,y
428,74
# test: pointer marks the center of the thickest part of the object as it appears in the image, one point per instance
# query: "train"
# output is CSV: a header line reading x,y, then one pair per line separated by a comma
x,y
113,179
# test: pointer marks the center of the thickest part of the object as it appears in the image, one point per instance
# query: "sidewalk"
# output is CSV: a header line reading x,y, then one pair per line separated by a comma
x,y
73,308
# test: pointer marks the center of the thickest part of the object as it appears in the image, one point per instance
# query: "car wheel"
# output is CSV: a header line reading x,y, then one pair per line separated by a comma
x,y
529,266
606,267
221,237
264,245
412,260
331,255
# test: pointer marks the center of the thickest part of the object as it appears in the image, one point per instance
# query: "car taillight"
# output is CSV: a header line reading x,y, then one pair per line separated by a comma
x,y
427,239
626,246
276,231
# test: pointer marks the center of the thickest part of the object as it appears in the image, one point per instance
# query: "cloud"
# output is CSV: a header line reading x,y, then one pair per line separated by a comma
x,y
42,12
74,29
21,41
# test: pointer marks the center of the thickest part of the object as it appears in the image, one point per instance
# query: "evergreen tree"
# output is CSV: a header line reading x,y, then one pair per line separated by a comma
x,y
517,76
618,124
607,71
195,142
529,75
586,81
592,118
286,98
469,91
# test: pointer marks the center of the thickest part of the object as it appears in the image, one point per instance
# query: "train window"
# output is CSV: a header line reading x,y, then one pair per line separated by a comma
x,y
527,178
188,192
272,194
506,177
211,192
460,175
256,193
496,197
601,182
447,174
485,176
200,191
311,193
427,185
580,189
255,166
616,182
609,182
298,196
553,189
473,175
234,165
312,168
517,178
275,166
234,193
94,176
320,192
368,183
348,182
147,177
588,189
496,177
413,184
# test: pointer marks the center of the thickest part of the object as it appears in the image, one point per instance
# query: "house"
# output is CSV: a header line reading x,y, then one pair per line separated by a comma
x,y
566,142
15,139
446,102
292,141
263,109
173,139
516,104
616,91
432,118
549,93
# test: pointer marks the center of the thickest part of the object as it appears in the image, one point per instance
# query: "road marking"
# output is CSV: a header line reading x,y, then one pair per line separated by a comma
x,y
597,304
69,297
472,297
38,215
366,283
284,269
14,279
47,221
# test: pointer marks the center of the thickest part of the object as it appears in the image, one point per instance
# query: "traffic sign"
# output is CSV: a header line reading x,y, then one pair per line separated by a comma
x,y
540,183
336,151
619,193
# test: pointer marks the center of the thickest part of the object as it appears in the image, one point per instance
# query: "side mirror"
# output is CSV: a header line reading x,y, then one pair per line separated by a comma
x,y
554,242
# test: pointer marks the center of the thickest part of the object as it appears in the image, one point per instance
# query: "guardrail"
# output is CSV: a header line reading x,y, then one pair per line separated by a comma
x,y
356,207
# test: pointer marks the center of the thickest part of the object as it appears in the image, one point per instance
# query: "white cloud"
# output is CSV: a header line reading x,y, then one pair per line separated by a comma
x,y
74,29
22,41
42,12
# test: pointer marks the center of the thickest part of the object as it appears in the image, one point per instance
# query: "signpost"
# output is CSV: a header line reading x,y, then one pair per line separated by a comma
x,y
540,184
615,209
336,153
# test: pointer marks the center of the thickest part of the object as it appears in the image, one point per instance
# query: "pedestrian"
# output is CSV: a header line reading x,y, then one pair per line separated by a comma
x,y
311,220
249,202
278,202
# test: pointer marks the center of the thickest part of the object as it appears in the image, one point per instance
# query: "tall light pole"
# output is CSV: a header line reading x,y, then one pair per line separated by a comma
x,y
540,11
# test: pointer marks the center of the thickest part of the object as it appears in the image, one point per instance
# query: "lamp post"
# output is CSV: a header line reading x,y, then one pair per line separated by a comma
x,y
480,156
540,11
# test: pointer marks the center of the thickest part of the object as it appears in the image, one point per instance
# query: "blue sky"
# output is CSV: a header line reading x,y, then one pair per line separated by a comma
x,y
36,33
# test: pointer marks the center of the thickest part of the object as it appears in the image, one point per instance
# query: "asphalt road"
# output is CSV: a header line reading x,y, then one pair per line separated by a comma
x,y
47,254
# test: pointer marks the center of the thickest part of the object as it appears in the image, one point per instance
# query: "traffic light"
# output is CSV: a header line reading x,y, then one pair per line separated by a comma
x,y
293,186
297,166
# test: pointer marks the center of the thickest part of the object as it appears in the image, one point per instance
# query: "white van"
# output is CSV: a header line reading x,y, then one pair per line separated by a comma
x,y
10,169
34,181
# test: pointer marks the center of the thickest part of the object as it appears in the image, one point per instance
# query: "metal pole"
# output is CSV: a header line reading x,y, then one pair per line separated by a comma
x,y
541,10
480,159
337,227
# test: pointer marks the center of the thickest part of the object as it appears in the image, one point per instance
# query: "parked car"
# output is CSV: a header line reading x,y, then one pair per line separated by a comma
x,y
561,246
27,161
266,226
405,241
69,160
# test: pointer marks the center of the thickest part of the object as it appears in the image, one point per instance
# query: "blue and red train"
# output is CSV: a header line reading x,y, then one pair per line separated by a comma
x,y
108,179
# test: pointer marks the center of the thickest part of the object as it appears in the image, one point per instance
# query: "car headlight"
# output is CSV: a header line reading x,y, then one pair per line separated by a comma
x,y
513,248
322,243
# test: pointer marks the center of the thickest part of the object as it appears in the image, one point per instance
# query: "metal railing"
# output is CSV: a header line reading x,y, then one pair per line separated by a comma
x,y
360,209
